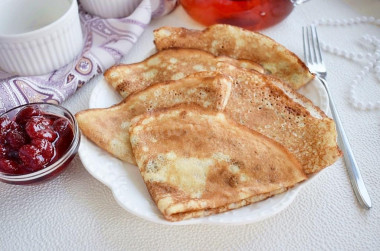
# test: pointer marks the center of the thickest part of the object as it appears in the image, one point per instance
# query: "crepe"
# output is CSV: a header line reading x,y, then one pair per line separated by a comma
x,y
197,162
166,65
108,128
235,42
271,107
262,103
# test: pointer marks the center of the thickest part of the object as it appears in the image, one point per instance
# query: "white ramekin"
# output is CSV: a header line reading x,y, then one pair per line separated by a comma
x,y
110,8
38,36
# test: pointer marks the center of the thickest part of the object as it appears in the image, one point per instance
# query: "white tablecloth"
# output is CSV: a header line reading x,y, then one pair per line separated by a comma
x,y
75,211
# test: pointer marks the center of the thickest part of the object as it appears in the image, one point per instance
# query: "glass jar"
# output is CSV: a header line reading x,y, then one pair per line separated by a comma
x,y
249,14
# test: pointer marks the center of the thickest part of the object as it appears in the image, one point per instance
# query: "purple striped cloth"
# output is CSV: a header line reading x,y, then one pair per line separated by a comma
x,y
106,42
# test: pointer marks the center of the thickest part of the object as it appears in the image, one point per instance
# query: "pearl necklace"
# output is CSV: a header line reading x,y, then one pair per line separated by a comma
x,y
372,64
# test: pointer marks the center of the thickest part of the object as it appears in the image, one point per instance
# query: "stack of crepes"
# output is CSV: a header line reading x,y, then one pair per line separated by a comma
x,y
213,121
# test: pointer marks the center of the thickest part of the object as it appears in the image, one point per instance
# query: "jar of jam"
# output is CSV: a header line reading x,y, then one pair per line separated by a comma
x,y
249,14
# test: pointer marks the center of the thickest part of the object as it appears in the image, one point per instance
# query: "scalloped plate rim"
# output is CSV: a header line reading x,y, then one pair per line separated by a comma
x,y
283,200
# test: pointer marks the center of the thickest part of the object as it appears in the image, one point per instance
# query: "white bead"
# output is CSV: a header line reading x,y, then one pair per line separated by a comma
x,y
370,106
359,105
365,37
377,68
359,55
336,22
369,40
371,19
366,69
352,94
363,19
351,55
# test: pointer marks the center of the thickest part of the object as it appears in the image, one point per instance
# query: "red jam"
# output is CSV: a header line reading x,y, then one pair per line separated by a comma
x,y
249,14
32,141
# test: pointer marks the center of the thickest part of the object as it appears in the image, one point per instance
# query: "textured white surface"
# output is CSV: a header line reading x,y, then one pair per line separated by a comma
x,y
75,211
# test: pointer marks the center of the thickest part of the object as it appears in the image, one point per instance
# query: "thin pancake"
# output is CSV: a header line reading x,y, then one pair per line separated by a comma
x,y
235,42
196,162
269,106
264,104
166,65
108,128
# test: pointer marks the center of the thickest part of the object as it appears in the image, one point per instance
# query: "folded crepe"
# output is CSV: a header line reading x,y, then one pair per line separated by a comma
x,y
108,127
260,102
197,162
235,42
167,65
271,107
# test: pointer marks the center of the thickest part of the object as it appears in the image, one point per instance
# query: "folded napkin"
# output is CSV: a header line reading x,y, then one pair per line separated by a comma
x,y
106,42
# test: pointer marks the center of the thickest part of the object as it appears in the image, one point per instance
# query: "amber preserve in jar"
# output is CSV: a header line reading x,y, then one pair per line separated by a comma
x,y
249,14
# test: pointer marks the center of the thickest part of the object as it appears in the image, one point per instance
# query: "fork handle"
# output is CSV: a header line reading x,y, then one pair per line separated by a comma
x,y
352,167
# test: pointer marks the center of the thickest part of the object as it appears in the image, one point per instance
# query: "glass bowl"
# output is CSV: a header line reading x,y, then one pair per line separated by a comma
x,y
56,167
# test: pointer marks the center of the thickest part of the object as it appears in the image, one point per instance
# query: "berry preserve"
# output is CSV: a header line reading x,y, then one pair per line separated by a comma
x,y
32,140
249,14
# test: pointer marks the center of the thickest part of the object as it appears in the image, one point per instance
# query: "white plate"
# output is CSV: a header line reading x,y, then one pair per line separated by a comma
x,y
129,188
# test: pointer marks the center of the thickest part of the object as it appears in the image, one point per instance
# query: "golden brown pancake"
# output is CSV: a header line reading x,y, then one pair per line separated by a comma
x,y
271,107
197,162
264,104
108,128
166,65
235,42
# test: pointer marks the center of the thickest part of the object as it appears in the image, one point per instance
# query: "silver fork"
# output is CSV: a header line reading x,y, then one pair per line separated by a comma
x,y
314,61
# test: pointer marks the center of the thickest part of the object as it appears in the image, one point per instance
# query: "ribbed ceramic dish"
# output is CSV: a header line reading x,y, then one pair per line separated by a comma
x,y
39,36
110,8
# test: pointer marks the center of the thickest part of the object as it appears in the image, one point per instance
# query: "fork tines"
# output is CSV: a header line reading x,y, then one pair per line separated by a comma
x,y
312,50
